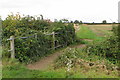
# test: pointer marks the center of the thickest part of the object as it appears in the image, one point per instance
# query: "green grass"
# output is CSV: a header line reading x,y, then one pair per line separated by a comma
x,y
25,73
86,33
19,71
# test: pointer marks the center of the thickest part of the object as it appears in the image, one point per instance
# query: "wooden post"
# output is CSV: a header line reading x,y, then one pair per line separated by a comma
x,y
0,31
53,40
12,47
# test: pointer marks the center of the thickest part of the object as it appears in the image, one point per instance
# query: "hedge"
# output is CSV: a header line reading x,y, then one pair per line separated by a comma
x,y
109,48
31,49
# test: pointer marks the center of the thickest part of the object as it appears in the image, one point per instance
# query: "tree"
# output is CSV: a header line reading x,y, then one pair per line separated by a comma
x,y
81,22
71,21
76,21
65,21
114,22
104,21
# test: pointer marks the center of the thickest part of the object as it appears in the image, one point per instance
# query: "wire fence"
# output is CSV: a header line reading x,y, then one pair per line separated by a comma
x,y
54,41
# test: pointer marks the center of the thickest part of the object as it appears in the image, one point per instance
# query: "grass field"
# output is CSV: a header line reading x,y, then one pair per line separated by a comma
x,y
86,33
94,32
101,30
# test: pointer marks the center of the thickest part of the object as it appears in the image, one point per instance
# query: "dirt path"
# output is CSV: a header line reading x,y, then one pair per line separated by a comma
x,y
44,63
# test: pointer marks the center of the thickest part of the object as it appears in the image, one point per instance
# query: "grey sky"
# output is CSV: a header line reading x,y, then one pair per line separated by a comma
x,y
85,10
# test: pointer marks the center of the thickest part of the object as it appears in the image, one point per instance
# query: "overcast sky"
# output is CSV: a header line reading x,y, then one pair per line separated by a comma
x,y
85,10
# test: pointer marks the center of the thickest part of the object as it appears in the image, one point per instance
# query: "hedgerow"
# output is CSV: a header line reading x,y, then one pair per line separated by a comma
x,y
109,48
37,43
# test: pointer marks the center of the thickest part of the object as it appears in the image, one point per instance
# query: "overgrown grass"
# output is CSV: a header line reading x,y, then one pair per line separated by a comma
x,y
78,62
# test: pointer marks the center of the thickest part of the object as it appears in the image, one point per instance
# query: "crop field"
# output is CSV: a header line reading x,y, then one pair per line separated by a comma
x,y
59,50
93,32
101,30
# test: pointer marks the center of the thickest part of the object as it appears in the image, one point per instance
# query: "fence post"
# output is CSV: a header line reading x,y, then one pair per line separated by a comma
x,y
12,47
53,40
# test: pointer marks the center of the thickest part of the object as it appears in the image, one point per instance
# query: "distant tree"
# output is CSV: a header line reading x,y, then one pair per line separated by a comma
x,y
71,21
81,22
114,22
60,21
76,21
104,21
65,21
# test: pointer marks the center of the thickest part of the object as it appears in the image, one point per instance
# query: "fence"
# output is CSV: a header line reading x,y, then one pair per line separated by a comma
x,y
12,42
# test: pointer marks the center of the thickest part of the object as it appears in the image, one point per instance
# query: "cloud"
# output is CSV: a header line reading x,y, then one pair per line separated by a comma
x,y
89,10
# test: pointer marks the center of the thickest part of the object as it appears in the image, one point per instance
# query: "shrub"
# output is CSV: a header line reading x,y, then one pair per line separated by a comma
x,y
68,59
